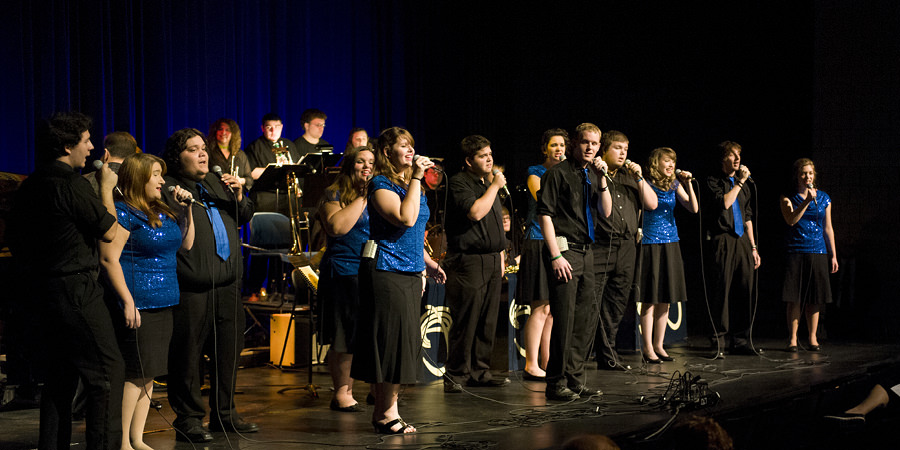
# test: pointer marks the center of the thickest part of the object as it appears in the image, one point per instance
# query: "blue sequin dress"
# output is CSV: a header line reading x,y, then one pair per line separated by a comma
x,y
149,265
661,267
388,340
807,265
339,283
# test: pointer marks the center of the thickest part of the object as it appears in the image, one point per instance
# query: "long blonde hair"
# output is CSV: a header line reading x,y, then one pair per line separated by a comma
x,y
134,174
656,177
383,164
343,183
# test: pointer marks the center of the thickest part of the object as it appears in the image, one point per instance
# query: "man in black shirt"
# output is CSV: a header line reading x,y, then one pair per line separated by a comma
x,y
615,249
313,122
209,312
270,148
54,227
734,257
474,271
116,146
570,196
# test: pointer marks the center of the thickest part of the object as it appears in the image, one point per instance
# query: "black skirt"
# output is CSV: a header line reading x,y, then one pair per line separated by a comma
x,y
661,274
146,349
388,340
806,279
531,281
339,300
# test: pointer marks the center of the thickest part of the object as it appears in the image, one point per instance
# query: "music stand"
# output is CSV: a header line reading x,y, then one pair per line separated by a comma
x,y
302,270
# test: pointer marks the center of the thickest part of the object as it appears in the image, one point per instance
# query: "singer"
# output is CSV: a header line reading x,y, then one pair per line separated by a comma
x,y
615,249
209,311
139,265
569,197
345,220
475,238
661,268
391,283
532,285
733,254
810,246
54,227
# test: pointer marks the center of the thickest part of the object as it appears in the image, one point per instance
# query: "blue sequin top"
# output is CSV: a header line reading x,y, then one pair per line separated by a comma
x,y
808,235
534,228
659,224
343,253
400,249
148,259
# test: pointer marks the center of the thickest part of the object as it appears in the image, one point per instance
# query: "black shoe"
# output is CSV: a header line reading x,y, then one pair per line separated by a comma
x,y
239,426
792,349
847,420
452,387
335,406
529,377
195,434
814,348
653,361
665,358
493,382
561,393
584,391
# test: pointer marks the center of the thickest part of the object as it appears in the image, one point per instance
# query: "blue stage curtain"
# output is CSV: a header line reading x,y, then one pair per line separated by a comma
x,y
153,67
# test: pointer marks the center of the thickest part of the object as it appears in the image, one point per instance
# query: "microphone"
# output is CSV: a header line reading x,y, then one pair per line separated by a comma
x,y
815,199
505,189
678,172
562,157
435,167
218,171
750,179
98,165
190,199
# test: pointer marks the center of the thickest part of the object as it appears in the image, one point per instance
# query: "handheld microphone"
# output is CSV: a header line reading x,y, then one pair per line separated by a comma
x,y
678,172
98,165
505,189
434,167
815,199
218,171
561,157
189,199
750,179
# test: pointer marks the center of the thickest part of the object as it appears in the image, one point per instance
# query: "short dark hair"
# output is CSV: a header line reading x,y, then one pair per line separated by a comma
x,y
61,130
270,117
545,139
311,114
176,144
120,144
470,145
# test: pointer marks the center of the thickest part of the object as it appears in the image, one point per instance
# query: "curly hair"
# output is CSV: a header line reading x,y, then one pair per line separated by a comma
x,y
235,143
656,177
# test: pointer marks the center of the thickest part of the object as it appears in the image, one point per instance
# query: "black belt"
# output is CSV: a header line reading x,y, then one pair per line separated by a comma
x,y
577,246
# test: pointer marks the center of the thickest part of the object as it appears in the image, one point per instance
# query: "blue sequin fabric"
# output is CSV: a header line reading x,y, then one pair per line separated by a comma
x,y
148,259
534,228
659,224
400,249
808,235
343,253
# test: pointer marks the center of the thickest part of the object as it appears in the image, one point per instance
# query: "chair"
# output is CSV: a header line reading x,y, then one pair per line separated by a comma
x,y
270,237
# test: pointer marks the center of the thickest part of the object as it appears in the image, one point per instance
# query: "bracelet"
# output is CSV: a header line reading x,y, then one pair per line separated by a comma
x,y
556,257
604,189
640,179
414,178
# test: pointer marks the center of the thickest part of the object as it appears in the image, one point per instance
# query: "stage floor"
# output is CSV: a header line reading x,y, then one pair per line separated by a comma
x,y
774,400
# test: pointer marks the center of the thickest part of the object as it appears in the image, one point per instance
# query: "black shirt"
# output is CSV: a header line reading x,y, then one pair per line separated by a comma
x,y
465,235
305,147
200,269
624,219
56,221
562,198
717,219
261,152
238,160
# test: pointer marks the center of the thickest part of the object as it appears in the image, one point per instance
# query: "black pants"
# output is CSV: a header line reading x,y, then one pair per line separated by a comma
x,y
208,323
614,265
473,295
79,342
574,309
731,276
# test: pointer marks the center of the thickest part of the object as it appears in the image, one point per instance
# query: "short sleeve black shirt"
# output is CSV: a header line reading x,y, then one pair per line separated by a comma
x,y
562,198
465,235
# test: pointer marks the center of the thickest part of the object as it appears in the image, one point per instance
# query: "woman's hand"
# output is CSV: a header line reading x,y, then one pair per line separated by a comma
x,y
132,316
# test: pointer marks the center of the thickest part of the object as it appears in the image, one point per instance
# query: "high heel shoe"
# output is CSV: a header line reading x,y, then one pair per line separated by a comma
x,y
653,361
665,358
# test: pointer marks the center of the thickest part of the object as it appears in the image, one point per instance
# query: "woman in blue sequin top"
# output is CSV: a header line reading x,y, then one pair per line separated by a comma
x,y
346,222
391,283
811,252
139,265
532,286
662,269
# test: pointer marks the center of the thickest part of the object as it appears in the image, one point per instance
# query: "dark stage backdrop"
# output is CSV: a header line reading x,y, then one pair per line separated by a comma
x,y
814,78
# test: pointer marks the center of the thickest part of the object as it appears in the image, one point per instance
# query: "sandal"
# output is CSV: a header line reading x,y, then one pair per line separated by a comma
x,y
387,428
